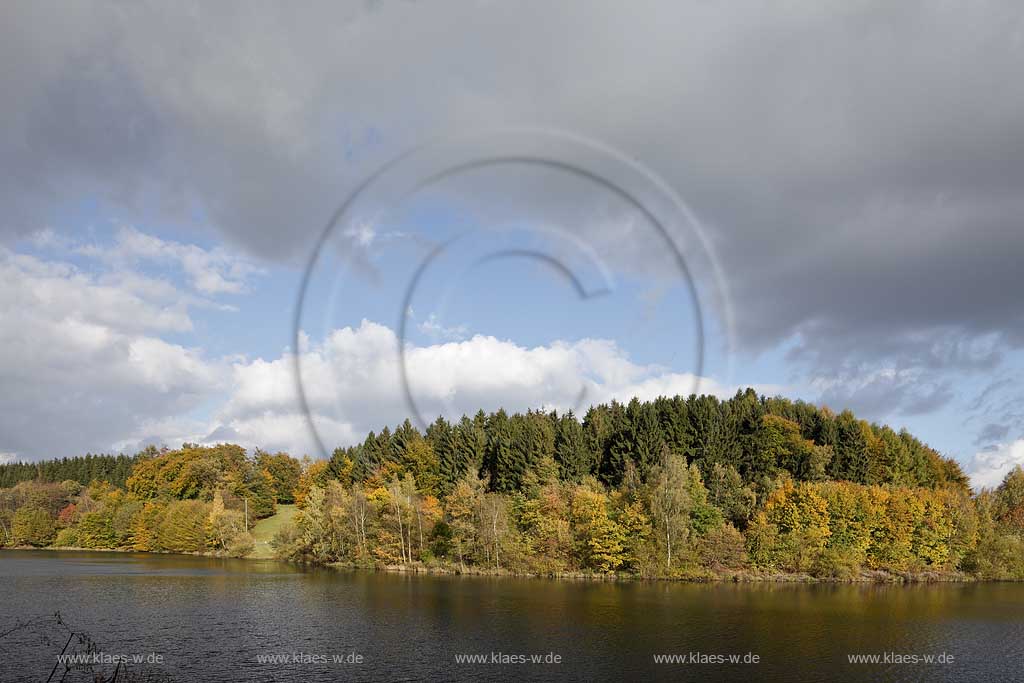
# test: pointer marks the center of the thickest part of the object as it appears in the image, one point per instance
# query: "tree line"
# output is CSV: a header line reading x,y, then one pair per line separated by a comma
x,y
195,499
761,438
685,487
114,469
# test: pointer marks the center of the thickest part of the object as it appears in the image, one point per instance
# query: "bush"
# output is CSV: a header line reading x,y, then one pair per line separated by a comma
x,y
241,545
95,530
761,540
723,546
1000,557
286,542
32,525
441,539
837,563
183,527
66,538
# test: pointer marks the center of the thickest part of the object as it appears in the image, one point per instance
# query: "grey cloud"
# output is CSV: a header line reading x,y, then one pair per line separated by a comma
x,y
929,400
995,412
990,392
859,165
223,433
885,394
992,433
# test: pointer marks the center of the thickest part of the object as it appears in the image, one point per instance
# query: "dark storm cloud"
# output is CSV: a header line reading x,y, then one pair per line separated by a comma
x,y
858,165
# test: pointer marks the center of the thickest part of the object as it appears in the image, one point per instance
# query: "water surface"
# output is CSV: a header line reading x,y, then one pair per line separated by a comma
x,y
214,620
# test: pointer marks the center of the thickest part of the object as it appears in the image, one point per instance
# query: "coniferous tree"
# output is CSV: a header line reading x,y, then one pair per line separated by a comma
x,y
713,442
571,452
500,456
850,460
617,448
643,435
471,441
452,464
674,421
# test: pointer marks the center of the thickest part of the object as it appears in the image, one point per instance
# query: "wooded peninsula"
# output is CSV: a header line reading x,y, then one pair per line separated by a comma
x,y
687,488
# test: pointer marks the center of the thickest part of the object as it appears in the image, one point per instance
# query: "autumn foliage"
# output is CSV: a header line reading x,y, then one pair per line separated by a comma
x,y
676,487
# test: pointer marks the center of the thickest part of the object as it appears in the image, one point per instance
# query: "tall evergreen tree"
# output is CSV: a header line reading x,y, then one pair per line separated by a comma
x,y
501,461
452,464
571,452
850,461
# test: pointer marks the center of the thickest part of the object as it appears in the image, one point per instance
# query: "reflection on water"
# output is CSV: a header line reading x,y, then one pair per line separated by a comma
x,y
215,620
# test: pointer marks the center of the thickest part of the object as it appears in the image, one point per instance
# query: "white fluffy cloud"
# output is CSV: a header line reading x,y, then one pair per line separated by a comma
x,y
353,384
39,290
88,365
987,468
84,356
210,271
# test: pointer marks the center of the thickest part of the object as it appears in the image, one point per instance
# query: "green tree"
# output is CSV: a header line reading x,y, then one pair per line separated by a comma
x,y
782,445
1009,501
33,525
600,540
850,461
451,463
284,471
571,452
727,492
671,504
183,527
503,460
313,527
419,460
493,527
461,507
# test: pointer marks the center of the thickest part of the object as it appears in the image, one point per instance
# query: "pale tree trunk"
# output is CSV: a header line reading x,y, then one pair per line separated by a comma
x,y
419,525
401,533
355,530
668,542
353,517
362,526
494,535
409,503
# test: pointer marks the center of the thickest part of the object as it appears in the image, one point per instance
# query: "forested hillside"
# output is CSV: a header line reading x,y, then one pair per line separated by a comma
x,y
677,487
759,438
114,469
195,499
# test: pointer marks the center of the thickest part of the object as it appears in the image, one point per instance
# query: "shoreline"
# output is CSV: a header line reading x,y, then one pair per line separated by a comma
x,y
698,576
76,549
866,576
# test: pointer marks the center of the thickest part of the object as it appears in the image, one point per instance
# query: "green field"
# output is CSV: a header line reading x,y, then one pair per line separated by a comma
x,y
265,529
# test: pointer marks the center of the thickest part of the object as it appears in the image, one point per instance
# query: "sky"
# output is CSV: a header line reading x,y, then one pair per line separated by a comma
x,y
412,209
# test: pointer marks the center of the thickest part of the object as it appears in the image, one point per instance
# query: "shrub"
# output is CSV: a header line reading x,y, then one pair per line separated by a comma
x,y
183,527
838,563
241,545
67,538
286,542
32,525
723,546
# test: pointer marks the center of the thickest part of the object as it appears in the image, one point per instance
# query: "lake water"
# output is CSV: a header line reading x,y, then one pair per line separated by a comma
x,y
220,620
